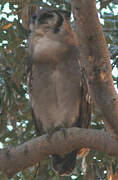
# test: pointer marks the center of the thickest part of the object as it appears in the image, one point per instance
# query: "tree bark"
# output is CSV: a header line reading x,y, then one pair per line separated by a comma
x,y
31,152
95,59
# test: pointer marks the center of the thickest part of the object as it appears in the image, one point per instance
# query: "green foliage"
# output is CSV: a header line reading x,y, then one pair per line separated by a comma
x,y
16,124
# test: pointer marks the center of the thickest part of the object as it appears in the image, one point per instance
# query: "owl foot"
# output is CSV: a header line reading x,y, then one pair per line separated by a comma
x,y
51,132
49,135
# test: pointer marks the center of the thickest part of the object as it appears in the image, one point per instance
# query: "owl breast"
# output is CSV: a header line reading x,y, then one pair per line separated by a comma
x,y
50,47
47,48
55,94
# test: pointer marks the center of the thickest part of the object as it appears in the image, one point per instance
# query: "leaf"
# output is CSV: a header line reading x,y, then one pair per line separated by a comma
x,y
7,26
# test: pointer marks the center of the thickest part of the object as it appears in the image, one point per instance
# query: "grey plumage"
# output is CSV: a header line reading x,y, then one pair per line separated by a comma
x,y
56,86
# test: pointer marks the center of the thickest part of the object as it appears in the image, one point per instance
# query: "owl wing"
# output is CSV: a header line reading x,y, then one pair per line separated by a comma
x,y
29,67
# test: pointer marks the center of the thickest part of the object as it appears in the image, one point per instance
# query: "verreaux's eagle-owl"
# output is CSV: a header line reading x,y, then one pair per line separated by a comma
x,y
58,92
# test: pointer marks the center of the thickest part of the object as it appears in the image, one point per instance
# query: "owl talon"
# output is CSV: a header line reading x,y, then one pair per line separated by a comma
x,y
49,135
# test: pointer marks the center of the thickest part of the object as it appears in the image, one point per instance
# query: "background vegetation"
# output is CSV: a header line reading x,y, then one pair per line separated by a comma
x,y
16,124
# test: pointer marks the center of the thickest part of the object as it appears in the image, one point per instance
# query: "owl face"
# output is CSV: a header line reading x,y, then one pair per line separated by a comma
x,y
48,19
52,38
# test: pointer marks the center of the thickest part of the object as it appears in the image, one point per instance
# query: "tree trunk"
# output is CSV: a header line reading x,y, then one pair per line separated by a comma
x,y
95,59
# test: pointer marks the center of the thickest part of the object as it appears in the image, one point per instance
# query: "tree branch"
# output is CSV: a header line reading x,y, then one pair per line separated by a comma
x,y
31,152
95,59
103,4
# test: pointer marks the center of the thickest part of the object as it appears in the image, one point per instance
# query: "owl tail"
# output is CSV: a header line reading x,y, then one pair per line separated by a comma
x,y
64,165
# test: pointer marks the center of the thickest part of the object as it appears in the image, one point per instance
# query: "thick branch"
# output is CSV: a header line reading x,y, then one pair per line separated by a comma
x,y
94,57
27,154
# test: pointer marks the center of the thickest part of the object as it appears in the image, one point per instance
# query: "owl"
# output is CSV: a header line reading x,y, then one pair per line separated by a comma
x,y
57,88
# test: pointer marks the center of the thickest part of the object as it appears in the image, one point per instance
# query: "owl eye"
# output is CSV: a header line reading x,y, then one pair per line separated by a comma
x,y
42,19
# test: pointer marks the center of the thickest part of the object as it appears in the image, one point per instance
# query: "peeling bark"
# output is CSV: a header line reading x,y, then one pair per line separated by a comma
x,y
95,59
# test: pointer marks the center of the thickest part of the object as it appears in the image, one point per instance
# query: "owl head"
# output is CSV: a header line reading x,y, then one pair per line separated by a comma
x,y
52,37
49,19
